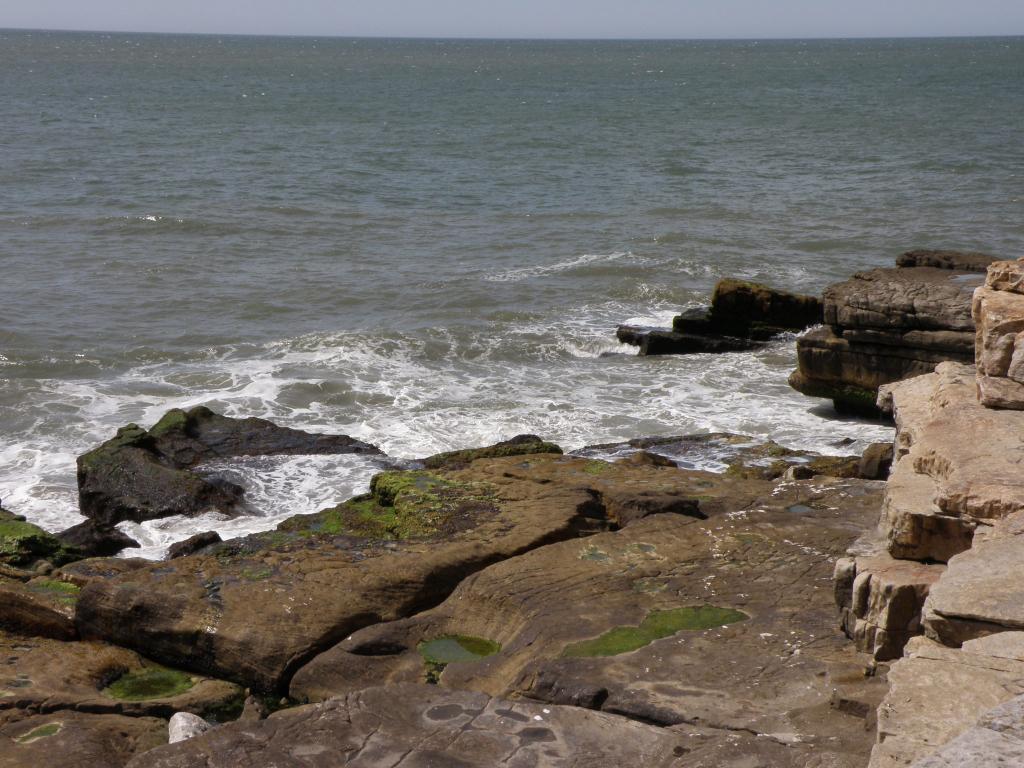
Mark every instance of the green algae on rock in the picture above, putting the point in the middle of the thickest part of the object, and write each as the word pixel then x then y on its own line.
pixel 655 626
pixel 22 544
pixel 64 591
pixel 150 683
pixel 521 445
pixel 400 506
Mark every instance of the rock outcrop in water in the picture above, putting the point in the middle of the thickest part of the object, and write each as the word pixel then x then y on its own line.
pixel 742 315
pixel 885 325
pixel 146 474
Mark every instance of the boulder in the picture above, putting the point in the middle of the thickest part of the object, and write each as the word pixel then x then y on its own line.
pixel 193 544
pixel 936 693
pixel 520 445
pixel 143 475
pixel 886 325
pixel 90 539
pixel 725 623
pixel 184 725
pixel 78 740
pixel 52 676
pixel 424 726
pixel 741 316
pixel 876 461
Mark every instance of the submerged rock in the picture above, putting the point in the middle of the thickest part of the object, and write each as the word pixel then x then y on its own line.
pixel 143 475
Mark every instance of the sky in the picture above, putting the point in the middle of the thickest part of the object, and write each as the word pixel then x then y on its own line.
pixel 529 18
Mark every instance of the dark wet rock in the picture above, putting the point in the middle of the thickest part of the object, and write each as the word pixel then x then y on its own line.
pixel 143 475
pixel 520 445
pixel 642 622
pixel 78 740
pixel 425 726
pixel 91 540
pixel 43 675
pixel 193 544
pixel 660 341
pixel 741 316
pixel 885 325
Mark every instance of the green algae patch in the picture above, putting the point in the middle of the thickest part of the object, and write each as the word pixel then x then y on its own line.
pixel 449 649
pixel 42 732
pixel 63 591
pixel 455 459
pixel 595 467
pixel 591 552
pixel 175 420
pixel 149 683
pixel 655 626
pixel 400 506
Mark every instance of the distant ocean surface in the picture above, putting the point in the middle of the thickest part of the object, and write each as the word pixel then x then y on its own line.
pixel 428 244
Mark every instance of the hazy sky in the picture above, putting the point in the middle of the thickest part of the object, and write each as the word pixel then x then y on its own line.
pixel 529 18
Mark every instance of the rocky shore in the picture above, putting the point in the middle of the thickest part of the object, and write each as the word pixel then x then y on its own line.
pixel 515 605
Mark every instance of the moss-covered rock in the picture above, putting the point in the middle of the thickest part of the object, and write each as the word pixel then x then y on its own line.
pixel 521 445
pixel 22 544
pixel 401 506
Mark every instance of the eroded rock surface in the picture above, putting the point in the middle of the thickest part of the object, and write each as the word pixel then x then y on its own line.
pixel 420 725
pixel 723 625
pixel 78 740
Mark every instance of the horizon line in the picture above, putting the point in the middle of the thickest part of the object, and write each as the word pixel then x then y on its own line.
pixel 485 38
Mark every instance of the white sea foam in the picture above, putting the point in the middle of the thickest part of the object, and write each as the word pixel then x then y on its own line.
pixel 514 275
pixel 413 396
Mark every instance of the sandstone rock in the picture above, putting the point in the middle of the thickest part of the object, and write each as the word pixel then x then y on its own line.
pixel 193 544
pixel 254 609
pixel 556 610
pixel 142 475
pixel 889 324
pixel 40 606
pixel 78 740
pixel 958 467
pixel 937 693
pixel 43 676
pixel 1006 276
pixel 999 315
pixel 880 601
pixel 876 461
pixel 997 740
pixel 184 725
pixel 426 725
pixel 82 572
pixel 981 592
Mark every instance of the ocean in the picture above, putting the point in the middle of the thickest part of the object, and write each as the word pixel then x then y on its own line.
pixel 427 244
